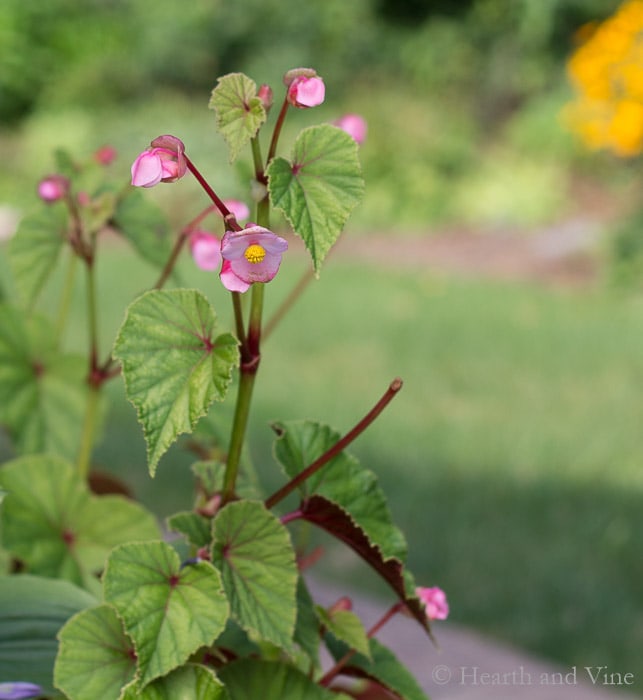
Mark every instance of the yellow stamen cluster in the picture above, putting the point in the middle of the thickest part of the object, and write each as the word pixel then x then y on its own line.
pixel 255 253
pixel 607 71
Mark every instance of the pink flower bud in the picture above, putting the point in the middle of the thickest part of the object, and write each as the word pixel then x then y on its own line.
pixel 434 601
pixel 306 92
pixel 163 162
pixel 343 603
pixel 354 126
pixel 53 188
pixel 206 250
pixel 105 155
pixel 265 95
pixel 253 255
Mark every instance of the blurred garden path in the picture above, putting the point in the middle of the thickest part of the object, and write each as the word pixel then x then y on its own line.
pixel 470 666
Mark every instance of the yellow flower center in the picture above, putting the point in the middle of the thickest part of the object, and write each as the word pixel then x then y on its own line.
pixel 255 253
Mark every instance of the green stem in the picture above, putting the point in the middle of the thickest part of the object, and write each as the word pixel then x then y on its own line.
pixel 83 462
pixel 66 297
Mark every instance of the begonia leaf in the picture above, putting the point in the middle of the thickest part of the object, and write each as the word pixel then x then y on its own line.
pixel 35 248
pixel 253 551
pixel 174 366
pixel 144 225
pixel 250 679
pixel 52 522
pixel 43 393
pixel 319 187
pixel 168 611
pixel 196 528
pixel 96 658
pixel 32 611
pixel 189 682
pixel 345 499
pixel 307 627
pixel 383 667
pixel 346 626
pixel 240 113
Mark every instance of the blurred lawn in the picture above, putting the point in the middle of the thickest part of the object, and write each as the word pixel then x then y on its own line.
pixel 512 456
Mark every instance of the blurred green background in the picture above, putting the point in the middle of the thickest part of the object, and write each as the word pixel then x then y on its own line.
pixel 513 454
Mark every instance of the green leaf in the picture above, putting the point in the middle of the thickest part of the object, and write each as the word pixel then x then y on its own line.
pixel 307 627
pixel 168 611
pixel 96 658
pixel 250 679
pixel 32 611
pixel 190 682
pixel 253 551
pixel 347 627
pixel 343 481
pixel 145 226
pixel 173 365
pixel 319 187
pixel 240 113
pixel 346 500
pixel 384 668
pixel 196 528
pixel 54 524
pixel 42 392
pixel 34 250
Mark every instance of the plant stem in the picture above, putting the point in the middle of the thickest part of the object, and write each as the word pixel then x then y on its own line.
pixel 277 131
pixel 228 216
pixel 83 460
pixel 65 299
pixel 341 444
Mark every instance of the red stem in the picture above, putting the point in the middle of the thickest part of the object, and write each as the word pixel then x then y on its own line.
pixel 227 215
pixel 341 444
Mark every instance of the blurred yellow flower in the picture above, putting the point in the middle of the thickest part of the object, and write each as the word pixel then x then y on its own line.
pixel 607 72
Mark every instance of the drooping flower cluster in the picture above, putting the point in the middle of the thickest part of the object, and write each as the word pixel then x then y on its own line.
pixel 607 72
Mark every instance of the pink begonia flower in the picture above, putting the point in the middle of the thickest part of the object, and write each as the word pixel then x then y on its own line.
pixel 163 162
pixel 354 126
pixel 434 601
pixel 53 188
pixel 105 155
pixel 206 250
pixel 306 92
pixel 238 208
pixel 253 254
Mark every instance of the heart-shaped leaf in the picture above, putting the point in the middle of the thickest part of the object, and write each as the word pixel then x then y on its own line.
pixel 383 667
pixel 250 679
pixel 254 553
pixel 58 528
pixel 34 250
pixel 174 366
pixel 168 611
pixel 32 611
pixel 42 392
pixel 319 187
pixel 96 658
pixel 144 225
pixel 240 113
pixel 189 682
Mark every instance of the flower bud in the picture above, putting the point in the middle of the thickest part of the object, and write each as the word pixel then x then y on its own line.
pixel 53 188
pixel 304 92
pixel 266 96
pixel 105 155
pixel 163 162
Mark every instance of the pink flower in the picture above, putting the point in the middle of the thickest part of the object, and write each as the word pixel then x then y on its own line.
pixel 238 208
pixel 105 155
pixel 163 162
pixel 53 188
pixel 353 125
pixel 230 281
pixel 253 255
pixel 305 88
pixel 434 601
pixel 206 250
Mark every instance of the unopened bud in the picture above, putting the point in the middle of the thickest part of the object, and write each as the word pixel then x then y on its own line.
pixel 53 188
